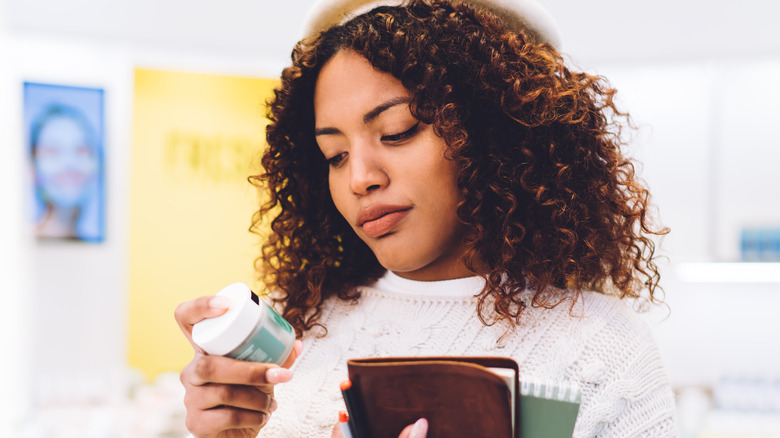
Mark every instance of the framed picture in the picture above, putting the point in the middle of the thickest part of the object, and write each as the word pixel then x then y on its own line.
pixel 65 144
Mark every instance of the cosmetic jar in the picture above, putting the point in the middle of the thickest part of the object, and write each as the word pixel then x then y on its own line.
pixel 249 330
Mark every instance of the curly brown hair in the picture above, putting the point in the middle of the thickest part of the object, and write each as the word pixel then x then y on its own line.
pixel 550 202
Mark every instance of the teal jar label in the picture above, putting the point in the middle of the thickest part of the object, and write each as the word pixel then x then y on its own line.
pixel 270 342
pixel 262 347
pixel 279 320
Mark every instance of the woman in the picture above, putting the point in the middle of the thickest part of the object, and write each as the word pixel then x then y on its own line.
pixel 442 185
pixel 65 156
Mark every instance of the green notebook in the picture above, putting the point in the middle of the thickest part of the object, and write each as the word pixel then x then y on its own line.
pixel 548 410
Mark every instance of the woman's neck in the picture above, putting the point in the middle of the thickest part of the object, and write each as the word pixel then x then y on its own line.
pixel 59 222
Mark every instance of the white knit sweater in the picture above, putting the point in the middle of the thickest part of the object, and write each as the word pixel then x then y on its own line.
pixel 605 349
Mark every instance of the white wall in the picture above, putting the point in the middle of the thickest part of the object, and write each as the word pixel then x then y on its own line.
pixel 77 290
pixel 707 145
pixel 672 107
pixel 595 31
pixel 228 28
pixel 666 31
pixel 717 330
pixel 748 176
pixel 14 262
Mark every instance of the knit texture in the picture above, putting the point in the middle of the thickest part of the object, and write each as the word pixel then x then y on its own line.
pixel 599 344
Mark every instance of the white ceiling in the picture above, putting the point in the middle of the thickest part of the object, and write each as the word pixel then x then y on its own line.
pixel 595 31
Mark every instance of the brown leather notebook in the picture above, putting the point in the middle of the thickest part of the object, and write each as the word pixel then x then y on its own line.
pixel 459 396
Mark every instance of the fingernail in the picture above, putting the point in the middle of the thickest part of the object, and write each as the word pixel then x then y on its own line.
pixel 274 405
pixel 278 375
pixel 219 303
pixel 420 429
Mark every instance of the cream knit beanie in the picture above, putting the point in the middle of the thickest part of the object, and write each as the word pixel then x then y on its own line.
pixel 527 15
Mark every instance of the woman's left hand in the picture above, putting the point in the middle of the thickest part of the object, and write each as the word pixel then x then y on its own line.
pixel 417 430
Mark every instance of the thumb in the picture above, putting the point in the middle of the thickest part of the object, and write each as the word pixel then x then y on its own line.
pixel 336 433
pixel 189 313
pixel 417 430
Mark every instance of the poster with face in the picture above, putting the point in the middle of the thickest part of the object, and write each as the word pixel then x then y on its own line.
pixel 64 136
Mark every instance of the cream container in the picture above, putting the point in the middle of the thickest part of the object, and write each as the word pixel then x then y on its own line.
pixel 249 330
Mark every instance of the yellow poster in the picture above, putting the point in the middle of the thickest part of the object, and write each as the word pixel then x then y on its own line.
pixel 196 138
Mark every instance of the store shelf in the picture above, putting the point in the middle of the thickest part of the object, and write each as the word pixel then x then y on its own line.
pixel 728 272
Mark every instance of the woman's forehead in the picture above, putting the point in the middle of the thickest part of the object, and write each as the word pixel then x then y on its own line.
pixel 349 83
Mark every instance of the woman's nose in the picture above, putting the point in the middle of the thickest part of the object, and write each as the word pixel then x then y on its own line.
pixel 367 173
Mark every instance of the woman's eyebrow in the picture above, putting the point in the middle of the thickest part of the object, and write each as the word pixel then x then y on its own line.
pixel 325 131
pixel 369 116
pixel 374 113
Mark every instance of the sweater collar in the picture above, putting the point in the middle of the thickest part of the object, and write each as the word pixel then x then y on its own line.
pixel 458 287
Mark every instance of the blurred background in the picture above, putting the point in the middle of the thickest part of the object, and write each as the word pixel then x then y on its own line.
pixel 89 344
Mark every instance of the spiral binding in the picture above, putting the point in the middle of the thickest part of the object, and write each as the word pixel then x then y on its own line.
pixel 568 392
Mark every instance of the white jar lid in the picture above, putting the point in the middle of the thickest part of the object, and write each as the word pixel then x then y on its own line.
pixel 221 335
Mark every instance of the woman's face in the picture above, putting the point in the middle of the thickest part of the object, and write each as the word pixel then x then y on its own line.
pixel 65 162
pixel 388 173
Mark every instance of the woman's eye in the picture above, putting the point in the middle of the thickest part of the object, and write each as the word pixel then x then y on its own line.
pixel 402 136
pixel 336 159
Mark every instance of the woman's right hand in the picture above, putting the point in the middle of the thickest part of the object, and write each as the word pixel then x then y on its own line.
pixel 225 397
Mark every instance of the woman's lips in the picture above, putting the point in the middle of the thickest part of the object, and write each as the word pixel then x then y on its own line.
pixel 69 179
pixel 383 222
